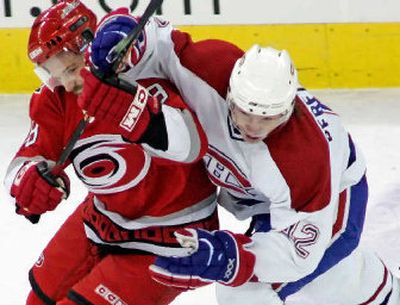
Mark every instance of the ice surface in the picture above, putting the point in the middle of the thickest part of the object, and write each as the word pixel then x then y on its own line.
pixel 371 115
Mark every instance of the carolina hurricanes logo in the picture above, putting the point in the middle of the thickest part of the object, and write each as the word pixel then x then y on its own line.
pixel 107 164
pixel 224 172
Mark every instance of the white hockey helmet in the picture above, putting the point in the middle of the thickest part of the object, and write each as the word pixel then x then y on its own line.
pixel 263 82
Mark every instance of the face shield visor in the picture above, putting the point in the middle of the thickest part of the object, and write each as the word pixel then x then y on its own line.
pixel 46 78
pixel 60 69
pixel 278 111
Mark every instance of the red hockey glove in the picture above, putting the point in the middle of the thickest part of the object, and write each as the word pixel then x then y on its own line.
pixel 36 190
pixel 214 256
pixel 131 114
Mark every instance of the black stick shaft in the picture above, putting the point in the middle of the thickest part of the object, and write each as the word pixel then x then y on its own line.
pixel 122 47
pixel 120 51
pixel 72 141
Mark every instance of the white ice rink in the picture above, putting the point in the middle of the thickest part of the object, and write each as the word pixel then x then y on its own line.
pixel 372 116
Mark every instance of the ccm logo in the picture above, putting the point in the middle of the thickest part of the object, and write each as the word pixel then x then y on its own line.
pixel 135 109
pixel 108 295
pixel 40 260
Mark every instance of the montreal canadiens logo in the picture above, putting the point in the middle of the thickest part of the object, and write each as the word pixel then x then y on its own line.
pixel 105 163
pixel 224 172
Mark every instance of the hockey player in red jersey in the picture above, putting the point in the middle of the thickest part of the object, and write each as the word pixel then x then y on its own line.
pixel 281 158
pixel 138 192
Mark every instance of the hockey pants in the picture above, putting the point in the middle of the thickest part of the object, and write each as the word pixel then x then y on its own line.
pixel 72 271
pixel 359 279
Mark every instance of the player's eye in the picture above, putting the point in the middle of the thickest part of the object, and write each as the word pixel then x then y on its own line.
pixel 268 119
pixel 71 70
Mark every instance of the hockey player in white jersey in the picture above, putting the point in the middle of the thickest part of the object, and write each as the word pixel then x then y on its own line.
pixel 281 158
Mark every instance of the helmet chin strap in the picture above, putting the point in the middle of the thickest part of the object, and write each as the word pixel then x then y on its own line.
pixel 230 110
pixel 231 119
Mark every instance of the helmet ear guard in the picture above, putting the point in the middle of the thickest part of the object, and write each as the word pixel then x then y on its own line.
pixel 264 82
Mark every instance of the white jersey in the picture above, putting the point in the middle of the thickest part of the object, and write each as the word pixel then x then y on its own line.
pixel 304 186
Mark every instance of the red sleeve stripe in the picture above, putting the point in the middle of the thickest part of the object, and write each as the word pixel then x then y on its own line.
pixel 379 290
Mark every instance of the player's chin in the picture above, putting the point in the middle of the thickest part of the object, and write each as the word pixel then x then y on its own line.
pixel 77 90
pixel 252 139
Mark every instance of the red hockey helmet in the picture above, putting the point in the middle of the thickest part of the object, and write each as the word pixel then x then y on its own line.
pixel 67 25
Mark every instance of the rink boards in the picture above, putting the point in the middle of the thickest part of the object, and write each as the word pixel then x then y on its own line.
pixel 339 55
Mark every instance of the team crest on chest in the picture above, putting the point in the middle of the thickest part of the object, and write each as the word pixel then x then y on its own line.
pixel 224 172
pixel 104 163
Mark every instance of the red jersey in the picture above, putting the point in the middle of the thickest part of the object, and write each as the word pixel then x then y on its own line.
pixel 133 188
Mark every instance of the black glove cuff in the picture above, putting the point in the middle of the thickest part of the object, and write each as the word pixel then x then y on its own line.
pixel 33 218
pixel 156 133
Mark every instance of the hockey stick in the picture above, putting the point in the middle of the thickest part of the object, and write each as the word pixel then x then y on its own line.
pixel 120 51
pixel 122 47
pixel 117 55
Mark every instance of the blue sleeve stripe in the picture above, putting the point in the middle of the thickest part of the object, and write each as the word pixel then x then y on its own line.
pixel 352 157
